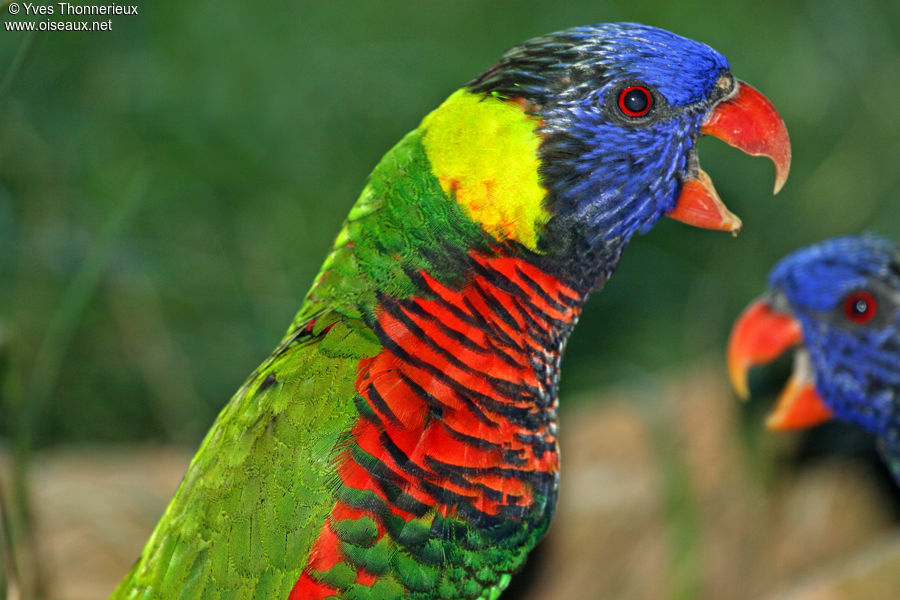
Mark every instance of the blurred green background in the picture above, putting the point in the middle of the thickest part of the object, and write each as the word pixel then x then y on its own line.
pixel 169 189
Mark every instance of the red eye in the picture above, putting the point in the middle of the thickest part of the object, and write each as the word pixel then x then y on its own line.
pixel 635 101
pixel 860 306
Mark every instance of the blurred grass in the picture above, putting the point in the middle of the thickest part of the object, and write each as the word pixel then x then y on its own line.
pixel 259 126
pixel 261 144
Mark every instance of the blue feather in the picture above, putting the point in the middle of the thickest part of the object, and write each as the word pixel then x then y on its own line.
pixel 607 177
pixel 856 365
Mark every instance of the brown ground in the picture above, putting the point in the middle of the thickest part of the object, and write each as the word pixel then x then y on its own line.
pixel 658 501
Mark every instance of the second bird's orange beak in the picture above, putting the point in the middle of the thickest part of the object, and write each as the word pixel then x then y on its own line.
pixel 760 335
pixel 749 122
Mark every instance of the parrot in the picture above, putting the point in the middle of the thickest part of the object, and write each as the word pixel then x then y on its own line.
pixel 836 304
pixel 401 440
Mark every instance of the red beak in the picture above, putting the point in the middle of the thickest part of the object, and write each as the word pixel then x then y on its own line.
pixel 760 335
pixel 749 122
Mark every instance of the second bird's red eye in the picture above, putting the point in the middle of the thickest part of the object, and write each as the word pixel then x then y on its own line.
pixel 860 306
pixel 635 101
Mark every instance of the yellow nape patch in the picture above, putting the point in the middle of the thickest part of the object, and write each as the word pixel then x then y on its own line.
pixel 484 152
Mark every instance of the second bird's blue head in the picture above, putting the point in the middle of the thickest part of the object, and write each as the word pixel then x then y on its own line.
pixel 838 303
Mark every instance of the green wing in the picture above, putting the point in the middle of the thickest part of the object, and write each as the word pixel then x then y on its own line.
pixel 261 486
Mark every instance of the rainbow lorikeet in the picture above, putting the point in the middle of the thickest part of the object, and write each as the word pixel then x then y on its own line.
pixel 837 302
pixel 400 442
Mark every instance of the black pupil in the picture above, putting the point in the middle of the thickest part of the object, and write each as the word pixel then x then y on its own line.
pixel 860 307
pixel 636 101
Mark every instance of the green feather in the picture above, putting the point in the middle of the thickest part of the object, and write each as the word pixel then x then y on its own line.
pixel 263 482
pixel 259 489
pixel 400 219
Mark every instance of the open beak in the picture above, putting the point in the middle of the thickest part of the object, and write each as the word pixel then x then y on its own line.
pixel 749 122
pixel 760 335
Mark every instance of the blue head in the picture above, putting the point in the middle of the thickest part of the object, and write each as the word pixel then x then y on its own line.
pixel 845 294
pixel 622 106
